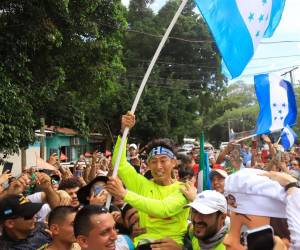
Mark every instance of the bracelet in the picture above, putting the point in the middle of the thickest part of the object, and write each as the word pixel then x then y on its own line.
pixel 292 184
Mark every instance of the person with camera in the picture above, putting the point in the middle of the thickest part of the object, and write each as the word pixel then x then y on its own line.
pixel 252 200
pixel 159 202
pixel 292 189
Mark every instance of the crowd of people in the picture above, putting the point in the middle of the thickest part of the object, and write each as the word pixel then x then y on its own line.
pixel 252 203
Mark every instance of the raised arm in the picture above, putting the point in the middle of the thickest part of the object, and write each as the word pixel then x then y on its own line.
pixel 126 172
pixel 170 206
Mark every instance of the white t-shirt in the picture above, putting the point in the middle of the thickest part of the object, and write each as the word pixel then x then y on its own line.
pixel 45 209
pixel 293 217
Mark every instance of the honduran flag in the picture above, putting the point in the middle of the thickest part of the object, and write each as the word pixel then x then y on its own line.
pixel 238 26
pixel 288 137
pixel 277 102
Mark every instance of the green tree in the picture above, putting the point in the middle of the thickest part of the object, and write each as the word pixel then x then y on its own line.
pixel 15 117
pixel 63 57
pixel 186 78
pixel 236 108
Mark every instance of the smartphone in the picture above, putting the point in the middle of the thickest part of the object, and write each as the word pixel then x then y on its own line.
pixel 97 189
pixel 260 238
pixel 144 244
pixel 78 173
pixel 235 153
pixel 7 167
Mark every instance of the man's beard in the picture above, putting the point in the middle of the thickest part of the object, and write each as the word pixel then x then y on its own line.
pixel 209 231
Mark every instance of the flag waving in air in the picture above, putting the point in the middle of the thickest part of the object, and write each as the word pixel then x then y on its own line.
pixel 238 26
pixel 288 137
pixel 277 103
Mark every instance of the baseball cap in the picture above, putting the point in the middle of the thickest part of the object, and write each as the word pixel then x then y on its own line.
pixel 209 202
pixel 250 193
pixel 217 171
pixel 17 206
pixel 133 146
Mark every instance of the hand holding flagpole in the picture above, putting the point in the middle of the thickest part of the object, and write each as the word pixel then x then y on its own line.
pixel 142 86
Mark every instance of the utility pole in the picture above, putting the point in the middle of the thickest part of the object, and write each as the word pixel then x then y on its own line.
pixel 42 139
pixel 290 72
pixel 23 158
pixel 228 123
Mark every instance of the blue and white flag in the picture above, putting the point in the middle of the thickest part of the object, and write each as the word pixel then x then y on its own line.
pixel 288 137
pixel 238 26
pixel 277 102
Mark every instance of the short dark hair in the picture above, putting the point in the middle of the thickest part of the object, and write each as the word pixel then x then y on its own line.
pixel 187 159
pixel 184 172
pixel 59 213
pixel 164 142
pixel 82 222
pixel 297 159
pixel 72 182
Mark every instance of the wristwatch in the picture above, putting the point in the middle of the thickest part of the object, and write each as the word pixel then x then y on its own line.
pixel 292 184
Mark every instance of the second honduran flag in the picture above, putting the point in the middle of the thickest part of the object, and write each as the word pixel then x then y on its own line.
pixel 277 103
pixel 288 137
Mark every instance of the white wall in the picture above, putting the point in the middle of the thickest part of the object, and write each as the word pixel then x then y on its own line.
pixel 16 159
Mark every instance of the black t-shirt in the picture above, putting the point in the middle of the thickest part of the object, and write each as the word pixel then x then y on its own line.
pixel 36 240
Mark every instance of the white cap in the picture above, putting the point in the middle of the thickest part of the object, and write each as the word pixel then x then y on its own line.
pixel 133 146
pixel 217 171
pixel 209 202
pixel 247 192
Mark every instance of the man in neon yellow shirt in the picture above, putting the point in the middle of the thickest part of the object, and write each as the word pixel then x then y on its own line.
pixel 159 202
pixel 208 219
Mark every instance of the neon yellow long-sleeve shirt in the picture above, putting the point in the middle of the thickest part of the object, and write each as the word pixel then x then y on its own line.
pixel 161 208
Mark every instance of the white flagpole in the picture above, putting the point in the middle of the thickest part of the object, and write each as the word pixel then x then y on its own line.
pixel 249 136
pixel 142 86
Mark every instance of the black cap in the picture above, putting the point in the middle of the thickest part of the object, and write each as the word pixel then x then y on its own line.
pixel 16 206
pixel 84 192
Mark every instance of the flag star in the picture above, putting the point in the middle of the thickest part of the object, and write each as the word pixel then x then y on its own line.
pixel 283 105
pixel 275 118
pixel 264 2
pixel 251 16
pixel 261 18
pixel 257 34
pixel 274 104
pixel 281 118
pixel 279 111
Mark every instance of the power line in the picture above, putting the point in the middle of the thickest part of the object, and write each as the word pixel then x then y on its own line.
pixel 274 57
pixel 269 71
pixel 202 41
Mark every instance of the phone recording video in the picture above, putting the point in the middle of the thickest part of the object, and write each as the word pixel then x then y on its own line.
pixel 7 167
pixel 97 189
pixel 145 244
pixel 261 238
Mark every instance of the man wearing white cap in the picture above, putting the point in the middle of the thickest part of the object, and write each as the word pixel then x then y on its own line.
pixel 252 199
pixel 208 219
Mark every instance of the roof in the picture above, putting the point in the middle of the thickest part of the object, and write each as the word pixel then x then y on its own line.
pixel 66 131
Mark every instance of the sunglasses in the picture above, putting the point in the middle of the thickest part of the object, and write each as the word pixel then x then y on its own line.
pixel 30 217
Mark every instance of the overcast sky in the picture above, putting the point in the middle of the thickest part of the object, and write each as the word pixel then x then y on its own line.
pixel 288 29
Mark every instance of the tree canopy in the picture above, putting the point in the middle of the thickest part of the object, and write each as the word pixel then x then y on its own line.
pixel 79 64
